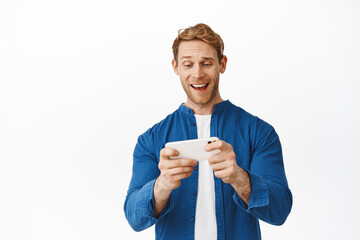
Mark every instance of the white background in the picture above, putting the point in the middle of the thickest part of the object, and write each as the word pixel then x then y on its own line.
pixel 80 80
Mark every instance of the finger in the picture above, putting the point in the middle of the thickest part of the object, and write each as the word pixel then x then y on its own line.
pixel 176 163
pixel 221 173
pixel 219 166
pixel 180 176
pixel 168 152
pixel 175 177
pixel 219 144
pixel 217 158
pixel 180 170
pixel 223 156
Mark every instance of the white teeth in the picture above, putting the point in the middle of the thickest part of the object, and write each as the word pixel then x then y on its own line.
pixel 197 86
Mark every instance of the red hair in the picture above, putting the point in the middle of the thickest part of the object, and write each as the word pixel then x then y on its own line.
pixel 199 32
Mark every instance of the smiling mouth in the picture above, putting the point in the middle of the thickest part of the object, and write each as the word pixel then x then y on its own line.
pixel 199 86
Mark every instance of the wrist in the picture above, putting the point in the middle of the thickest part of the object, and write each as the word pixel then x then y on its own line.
pixel 161 196
pixel 242 185
pixel 161 192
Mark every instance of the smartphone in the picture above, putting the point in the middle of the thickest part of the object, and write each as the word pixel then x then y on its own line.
pixel 193 149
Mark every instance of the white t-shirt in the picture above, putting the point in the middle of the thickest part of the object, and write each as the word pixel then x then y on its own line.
pixel 205 218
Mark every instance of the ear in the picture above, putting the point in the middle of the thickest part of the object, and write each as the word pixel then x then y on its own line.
pixel 175 66
pixel 223 64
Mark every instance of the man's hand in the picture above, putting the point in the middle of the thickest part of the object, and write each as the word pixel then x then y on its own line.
pixel 172 172
pixel 225 167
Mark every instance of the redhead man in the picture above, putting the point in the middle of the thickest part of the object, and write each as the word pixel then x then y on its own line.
pixel 224 197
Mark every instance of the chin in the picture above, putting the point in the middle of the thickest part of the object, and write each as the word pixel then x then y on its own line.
pixel 201 101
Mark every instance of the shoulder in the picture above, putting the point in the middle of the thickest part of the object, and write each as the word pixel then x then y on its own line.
pixel 160 128
pixel 257 127
pixel 248 118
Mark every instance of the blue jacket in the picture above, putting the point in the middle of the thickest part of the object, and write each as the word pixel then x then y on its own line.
pixel 258 151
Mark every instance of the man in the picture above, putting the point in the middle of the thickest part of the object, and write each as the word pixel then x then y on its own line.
pixel 221 198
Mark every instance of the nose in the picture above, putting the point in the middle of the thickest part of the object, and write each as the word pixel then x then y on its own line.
pixel 198 72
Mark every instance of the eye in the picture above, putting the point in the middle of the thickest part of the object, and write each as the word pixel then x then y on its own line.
pixel 207 64
pixel 187 64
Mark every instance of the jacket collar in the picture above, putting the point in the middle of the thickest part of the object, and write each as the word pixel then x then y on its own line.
pixel 217 108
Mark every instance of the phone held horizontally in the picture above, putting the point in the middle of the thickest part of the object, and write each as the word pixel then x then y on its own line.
pixel 193 149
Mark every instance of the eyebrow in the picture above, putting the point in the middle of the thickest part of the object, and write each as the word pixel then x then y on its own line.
pixel 203 58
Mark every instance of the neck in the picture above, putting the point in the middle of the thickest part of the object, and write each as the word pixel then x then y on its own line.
pixel 203 109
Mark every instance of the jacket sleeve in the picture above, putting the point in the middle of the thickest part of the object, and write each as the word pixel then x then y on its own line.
pixel 139 202
pixel 270 197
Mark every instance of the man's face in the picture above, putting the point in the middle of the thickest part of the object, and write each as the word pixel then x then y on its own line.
pixel 198 68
